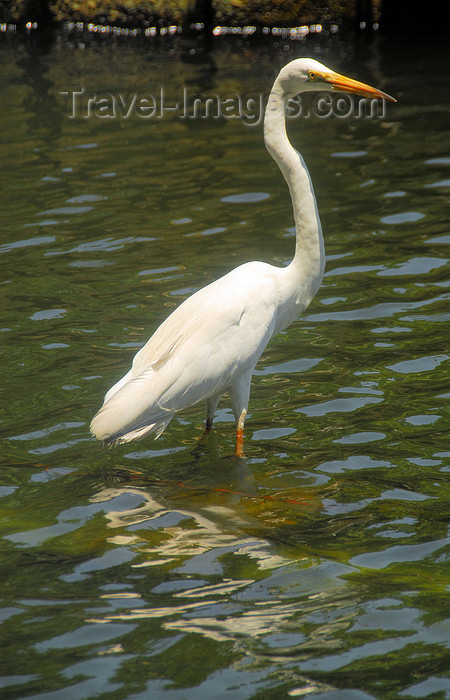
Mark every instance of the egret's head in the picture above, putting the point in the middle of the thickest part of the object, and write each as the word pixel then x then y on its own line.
pixel 306 75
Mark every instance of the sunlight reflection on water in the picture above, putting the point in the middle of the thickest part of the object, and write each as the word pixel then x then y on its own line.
pixel 317 565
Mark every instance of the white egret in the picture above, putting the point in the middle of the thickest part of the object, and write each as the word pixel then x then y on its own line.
pixel 211 343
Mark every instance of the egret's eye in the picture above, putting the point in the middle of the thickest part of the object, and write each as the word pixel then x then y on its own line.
pixel 312 75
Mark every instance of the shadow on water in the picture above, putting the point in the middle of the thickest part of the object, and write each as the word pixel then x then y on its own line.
pixel 225 486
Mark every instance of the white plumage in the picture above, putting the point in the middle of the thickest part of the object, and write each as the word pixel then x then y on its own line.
pixel 211 343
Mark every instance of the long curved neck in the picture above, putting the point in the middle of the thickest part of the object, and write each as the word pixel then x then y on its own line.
pixel 309 249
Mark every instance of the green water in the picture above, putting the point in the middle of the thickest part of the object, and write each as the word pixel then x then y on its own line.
pixel 318 565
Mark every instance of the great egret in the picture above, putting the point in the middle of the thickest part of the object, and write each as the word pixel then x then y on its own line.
pixel 211 343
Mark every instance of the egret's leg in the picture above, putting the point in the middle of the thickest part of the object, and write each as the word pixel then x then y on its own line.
pixel 211 405
pixel 240 394
pixel 240 434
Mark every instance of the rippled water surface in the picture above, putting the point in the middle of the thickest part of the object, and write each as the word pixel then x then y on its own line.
pixel 316 566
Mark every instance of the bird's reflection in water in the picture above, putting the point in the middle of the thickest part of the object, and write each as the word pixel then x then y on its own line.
pixel 209 502
pixel 205 560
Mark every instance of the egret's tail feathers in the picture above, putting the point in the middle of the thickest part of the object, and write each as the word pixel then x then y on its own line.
pixel 129 413
pixel 136 434
pixel 129 432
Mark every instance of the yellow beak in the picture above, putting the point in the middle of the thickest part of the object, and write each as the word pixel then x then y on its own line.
pixel 343 84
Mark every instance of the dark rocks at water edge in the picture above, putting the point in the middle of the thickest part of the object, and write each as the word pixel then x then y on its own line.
pixel 166 12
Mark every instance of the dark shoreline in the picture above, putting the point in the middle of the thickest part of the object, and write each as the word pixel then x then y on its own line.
pixel 189 14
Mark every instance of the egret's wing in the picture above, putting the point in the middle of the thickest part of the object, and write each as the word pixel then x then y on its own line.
pixel 214 336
